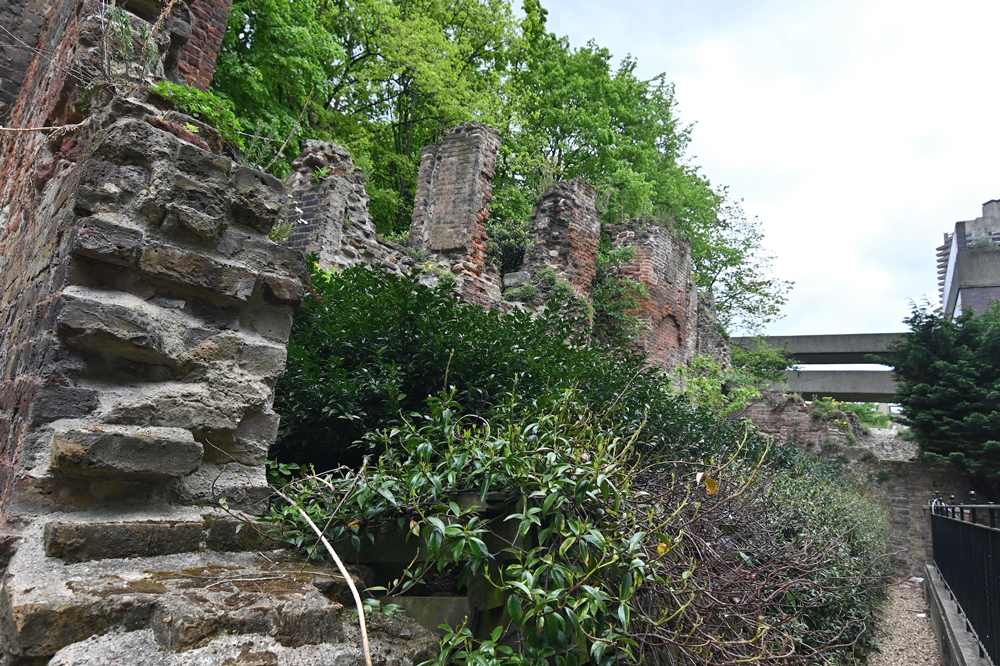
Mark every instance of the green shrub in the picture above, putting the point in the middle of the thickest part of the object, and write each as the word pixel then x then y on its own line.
pixel 761 361
pixel 749 558
pixel 638 504
pixel 206 106
pixel 372 347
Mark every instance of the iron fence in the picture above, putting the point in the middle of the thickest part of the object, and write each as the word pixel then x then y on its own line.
pixel 967 553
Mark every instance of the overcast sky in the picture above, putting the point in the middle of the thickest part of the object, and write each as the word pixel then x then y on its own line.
pixel 856 131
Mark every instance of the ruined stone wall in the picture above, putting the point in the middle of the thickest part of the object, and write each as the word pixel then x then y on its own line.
pixel 670 314
pixel 143 312
pixel 21 24
pixel 892 464
pixel 329 209
pixel 788 419
pixel 712 341
pixel 908 486
pixel 451 208
pixel 566 235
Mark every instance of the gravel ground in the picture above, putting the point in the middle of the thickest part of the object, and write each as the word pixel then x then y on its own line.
pixel 906 636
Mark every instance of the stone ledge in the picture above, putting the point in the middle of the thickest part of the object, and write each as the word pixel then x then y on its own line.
pixel 957 646
pixel 183 602
pixel 125 451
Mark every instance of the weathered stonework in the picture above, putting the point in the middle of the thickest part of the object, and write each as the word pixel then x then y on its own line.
pixel 144 316
pixel 143 339
pixel 24 19
pixel 329 207
pixel 451 208
pixel 143 312
pixel 208 608
pixel 566 235
pixel 670 314
pixel 898 475
pixel 906 487
pixel 787 418
pixel 712 341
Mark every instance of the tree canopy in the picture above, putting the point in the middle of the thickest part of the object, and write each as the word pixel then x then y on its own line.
pixel 948 383
pixel 388 77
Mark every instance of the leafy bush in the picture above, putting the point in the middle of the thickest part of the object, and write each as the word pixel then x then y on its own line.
pixel 205 105
pixel 644 517
pixel 620 555
pixel 373 346
pixel 758 360
pixel 867 412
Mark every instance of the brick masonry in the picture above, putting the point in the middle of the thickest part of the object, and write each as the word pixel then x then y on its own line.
pixel 670 314
pixel 787 418
pixel 907 487
pixel 196 61
pixel 329 208
pixel 978 298
pixel 451 208
pixel 712 341
pixel 566 235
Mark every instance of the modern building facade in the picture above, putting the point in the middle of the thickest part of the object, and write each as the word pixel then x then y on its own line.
pixel 969 263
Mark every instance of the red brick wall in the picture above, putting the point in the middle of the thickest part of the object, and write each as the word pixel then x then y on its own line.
pixel 136 285
pixel 452 206
pixel 566 235
pixel 786 417
pixel 30 233
pixel 670 314
pixel 208 25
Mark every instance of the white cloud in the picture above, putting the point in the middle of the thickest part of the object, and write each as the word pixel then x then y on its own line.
pixel 857 132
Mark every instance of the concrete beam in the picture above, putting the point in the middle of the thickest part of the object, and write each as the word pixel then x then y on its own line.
pixel 846 385
pixel 847 348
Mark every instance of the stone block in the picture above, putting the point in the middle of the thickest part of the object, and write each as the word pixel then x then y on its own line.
pixel 229 534
pixel 125 451
pixel 258 198
pixel 106 241
pixel 85 321
pixel 132 141
pixel 197 270
pixel 282 291
pixel 84 542
pixel 62 402
pixel 206 132
pixel 518 279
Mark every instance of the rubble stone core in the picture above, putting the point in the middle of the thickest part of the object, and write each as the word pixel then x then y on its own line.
pixel 144 316
pixel 566 235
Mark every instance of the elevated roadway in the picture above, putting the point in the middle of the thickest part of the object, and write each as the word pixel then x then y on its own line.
pixel 847 385
pixel 824 349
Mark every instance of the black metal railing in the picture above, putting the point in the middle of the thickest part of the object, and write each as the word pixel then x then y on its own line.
pixel 967 553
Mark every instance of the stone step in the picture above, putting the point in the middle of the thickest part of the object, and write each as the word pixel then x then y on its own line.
pixel 184 602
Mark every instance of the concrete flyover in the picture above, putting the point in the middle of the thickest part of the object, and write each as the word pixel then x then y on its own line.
pixel 845 348
pixel 847 385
